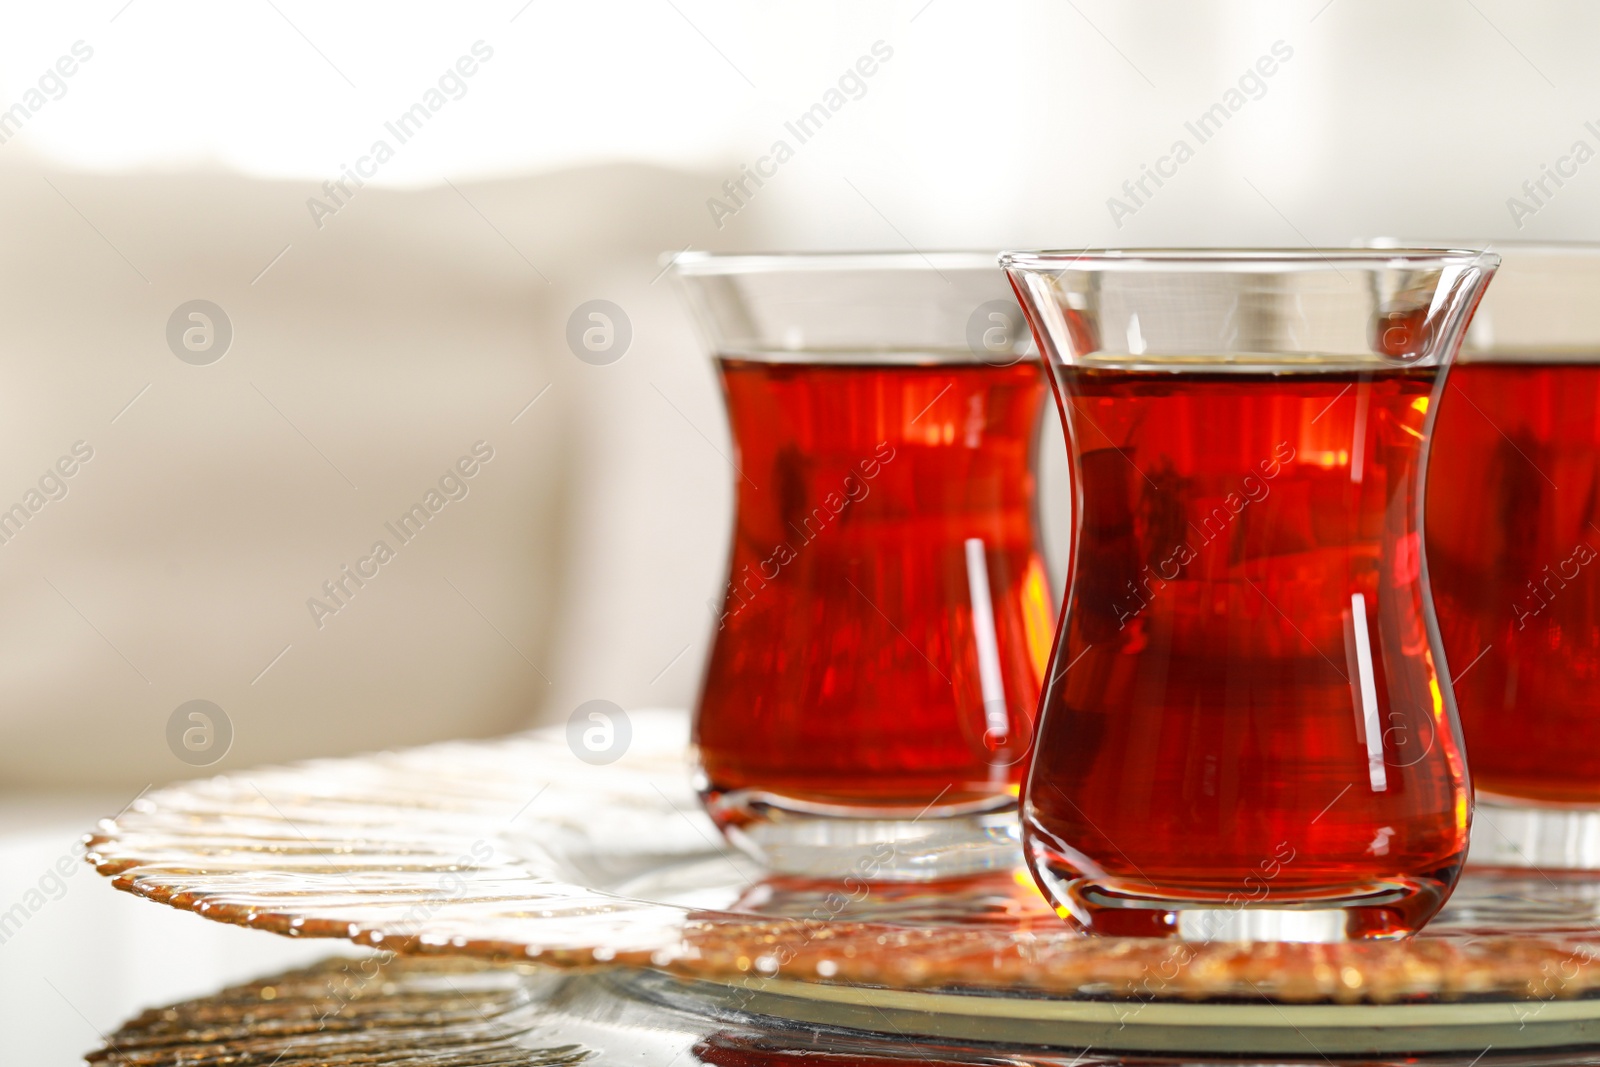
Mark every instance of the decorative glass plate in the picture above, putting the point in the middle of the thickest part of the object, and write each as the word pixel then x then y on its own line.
pixel 516 850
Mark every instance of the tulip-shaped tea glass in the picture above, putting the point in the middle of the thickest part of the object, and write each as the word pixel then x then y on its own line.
pixel 867 706
pixel 1514 554
pixel 1247 729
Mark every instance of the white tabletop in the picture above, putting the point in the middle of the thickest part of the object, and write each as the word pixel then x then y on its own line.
pixel 79 957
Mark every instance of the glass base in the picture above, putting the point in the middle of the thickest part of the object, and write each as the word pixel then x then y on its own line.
pixel 1389 909
pixel 1508 832
pixel 835 841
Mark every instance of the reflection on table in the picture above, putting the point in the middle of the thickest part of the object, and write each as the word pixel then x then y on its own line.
pixel 444 1012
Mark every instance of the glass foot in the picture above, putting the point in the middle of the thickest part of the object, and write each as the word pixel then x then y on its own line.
pixel 1507 832
pixel 1390 909
pixel 878 844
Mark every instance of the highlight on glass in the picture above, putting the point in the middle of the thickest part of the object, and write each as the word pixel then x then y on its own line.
pixel 1248 730
pixel 1513 540
pixel 868 703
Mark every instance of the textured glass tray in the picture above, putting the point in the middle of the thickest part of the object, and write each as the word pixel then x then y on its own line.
pixel 516 850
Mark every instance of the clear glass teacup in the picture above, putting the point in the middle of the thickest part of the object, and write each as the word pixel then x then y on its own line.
pixel 1513 538
pixel 1247 729
pixel 868 702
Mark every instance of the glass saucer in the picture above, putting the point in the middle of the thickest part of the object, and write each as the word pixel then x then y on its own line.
pixel 517 850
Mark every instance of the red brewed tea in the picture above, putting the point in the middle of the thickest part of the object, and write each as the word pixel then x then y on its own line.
pixel 1513 511
pixel 887 622
pixel 1245 710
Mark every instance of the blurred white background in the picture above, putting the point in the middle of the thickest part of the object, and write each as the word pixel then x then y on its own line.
pixel 378 335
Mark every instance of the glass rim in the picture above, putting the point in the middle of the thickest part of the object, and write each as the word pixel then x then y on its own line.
pixel 1490 245
pixel 1263 260
pixel 702 264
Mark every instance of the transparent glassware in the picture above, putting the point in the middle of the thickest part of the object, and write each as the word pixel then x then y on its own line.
pixel 1247 729
pixel 868 702
pixel 1513 538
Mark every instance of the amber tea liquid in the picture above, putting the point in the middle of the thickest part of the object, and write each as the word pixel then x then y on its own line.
pixel 880 644
pixel 1244 710
pixel 1513 511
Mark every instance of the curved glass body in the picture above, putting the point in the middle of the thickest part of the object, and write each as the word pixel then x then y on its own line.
pixel 1247 729
pixel 880 642
pixel 1514 530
